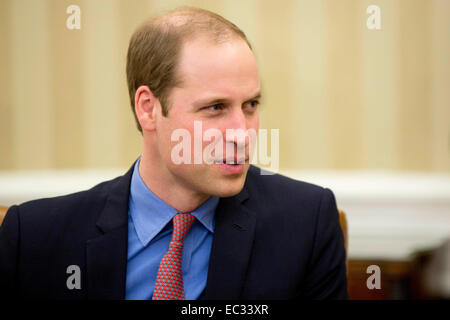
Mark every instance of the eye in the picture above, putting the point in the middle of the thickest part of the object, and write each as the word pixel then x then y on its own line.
pixel 253 104
pixel 215 107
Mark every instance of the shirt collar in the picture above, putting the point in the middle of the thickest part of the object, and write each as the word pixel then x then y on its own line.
pixel 150 214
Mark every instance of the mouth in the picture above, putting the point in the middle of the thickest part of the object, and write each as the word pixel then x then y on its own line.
pixel 232 162
pixel 231 166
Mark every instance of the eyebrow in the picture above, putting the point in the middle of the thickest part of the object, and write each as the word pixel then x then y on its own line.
pixel 212 101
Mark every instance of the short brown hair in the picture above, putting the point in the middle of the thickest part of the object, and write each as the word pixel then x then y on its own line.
pixel 154 49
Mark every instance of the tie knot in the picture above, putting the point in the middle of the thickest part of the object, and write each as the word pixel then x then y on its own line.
pixel 182 222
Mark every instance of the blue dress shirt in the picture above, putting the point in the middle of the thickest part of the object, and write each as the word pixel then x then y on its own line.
pixel 149 234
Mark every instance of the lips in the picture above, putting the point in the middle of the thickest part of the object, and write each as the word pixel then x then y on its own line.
pixel 232 161
pixel 230 169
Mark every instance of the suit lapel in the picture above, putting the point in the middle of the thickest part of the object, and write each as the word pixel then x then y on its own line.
pixel 231 249
pixel 106 255
pixel 106 265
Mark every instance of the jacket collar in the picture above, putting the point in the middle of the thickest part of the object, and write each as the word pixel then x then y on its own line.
pixel 231 248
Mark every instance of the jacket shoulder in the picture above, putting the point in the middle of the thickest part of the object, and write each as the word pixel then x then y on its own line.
pixel 282 200
pixel 277 186
pixel 48 212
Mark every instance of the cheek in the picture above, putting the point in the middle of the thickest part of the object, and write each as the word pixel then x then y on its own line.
pixel 183 137
pixel 255 121
pixel 164 141
pixel 169 126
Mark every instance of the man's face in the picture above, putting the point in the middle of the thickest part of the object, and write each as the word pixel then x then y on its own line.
pixel 220 87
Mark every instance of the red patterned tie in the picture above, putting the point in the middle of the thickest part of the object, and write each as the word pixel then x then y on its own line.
pixel 169 282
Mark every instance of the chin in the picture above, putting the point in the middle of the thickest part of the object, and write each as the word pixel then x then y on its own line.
pixel 229 189
pixel 227 193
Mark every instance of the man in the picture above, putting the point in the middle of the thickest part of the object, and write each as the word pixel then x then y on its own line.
pixel 214 229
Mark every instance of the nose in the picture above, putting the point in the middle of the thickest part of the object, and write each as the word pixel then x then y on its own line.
pixel 236 135
pixel 237 123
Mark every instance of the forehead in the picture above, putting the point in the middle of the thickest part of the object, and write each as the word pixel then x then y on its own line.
pixel 227 67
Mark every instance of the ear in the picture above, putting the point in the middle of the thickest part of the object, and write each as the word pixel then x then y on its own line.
pixel 145 106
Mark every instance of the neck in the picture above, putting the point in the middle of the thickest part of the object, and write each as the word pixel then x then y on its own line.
pixel 161 182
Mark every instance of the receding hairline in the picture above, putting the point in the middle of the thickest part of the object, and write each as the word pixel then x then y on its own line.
pixel 191 22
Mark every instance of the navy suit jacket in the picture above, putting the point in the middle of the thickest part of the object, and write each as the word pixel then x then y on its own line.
pixel 277 239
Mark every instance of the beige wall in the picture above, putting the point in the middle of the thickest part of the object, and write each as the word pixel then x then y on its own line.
pixel 343 96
